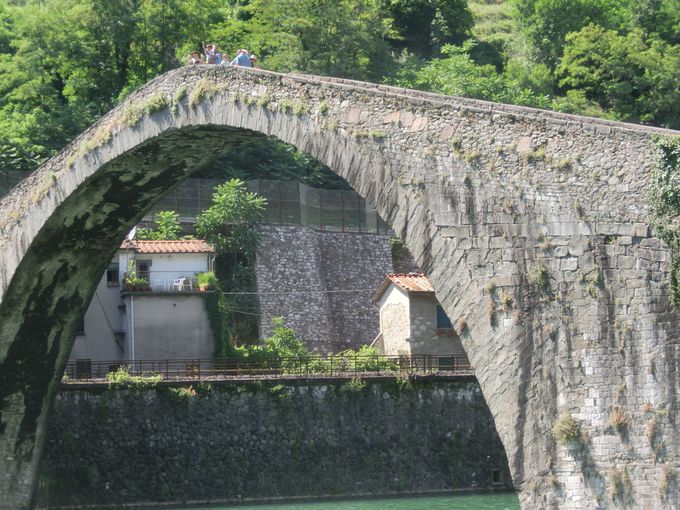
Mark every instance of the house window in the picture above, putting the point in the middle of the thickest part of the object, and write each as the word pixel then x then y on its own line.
pixel 143 269
pixel 443 322
pixel 112 275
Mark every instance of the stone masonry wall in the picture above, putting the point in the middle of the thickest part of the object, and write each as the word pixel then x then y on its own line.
pixel 235 442
pixel 533 227
pixel 301 273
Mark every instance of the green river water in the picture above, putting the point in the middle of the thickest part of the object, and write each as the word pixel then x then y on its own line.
pixel 502 501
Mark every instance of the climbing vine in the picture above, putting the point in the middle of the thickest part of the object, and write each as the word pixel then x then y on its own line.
pixel 215 307
pixel 665 199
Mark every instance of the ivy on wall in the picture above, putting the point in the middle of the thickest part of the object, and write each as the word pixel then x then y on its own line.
pixel 215 307
pixel 665 199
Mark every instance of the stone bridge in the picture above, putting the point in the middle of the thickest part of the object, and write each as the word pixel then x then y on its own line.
pixel 533 227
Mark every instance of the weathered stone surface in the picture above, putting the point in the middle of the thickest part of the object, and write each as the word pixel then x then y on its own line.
pixel 269 441
pixel 522 182
pixel 322 283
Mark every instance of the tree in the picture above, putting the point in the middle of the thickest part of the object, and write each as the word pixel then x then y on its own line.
pixel 659 18
pixel 425 26
pixel 167 227
pixel 458 75
pixel 546 23
pixel 625 75
pixel 342 38
pixel 228 224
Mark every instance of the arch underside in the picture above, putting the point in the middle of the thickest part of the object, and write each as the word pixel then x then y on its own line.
pixel 555 316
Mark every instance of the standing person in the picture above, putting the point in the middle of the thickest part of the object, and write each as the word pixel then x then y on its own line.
pixel 218 55
pixel 195 58
pixel 253 61
pixel 209 52
pixel 242 59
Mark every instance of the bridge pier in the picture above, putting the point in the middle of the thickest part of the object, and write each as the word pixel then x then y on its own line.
pixel 532 226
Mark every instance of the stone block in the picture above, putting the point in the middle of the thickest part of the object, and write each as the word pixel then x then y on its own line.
pixel 391 118
pixel 419 124
pixel 353 116
pixel 406 119
pixel 570 264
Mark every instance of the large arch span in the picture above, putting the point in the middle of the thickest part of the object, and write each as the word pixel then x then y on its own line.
pixel 533 227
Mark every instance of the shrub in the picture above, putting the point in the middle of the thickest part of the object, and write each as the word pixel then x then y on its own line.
pixel 156 103
pixel 650 430
pixel 365 359
pixel 353 386
pixel 539 276
pixel 204 89
pixel 184 392
pixel 668 477
pixel 122 378
pixel 617 419
pixel 566 429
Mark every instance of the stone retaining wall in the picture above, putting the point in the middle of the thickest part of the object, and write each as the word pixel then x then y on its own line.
pixel 263 441
pixel 303 275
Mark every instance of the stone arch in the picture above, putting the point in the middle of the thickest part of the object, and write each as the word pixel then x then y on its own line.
pixel 501 206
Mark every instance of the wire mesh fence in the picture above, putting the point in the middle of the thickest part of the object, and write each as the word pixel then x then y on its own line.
pixel 288 203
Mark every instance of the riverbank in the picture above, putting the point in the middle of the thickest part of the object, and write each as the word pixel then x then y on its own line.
pixel 462 498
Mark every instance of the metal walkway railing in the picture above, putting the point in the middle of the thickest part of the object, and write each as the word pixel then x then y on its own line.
pixel 337 365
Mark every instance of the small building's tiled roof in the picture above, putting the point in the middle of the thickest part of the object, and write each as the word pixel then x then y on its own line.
pixel 178 246
pixel 412 283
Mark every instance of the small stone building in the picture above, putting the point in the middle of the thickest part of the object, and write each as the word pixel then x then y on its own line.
pixel 411 320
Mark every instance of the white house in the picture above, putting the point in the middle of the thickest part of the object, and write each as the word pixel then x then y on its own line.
pixel 158 314
pixel 411 320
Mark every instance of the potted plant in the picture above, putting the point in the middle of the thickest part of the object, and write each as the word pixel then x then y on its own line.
pixel 133 283
pixel 204 280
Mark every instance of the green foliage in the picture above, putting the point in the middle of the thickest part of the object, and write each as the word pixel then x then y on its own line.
pixel 122 379
pixel 633 78
pixel 269 158
pixel 669 477
pixel 354 386
pixel 133 283
pixel 205 278
pixel 204 89
pixel 400 253
pixel 63 63
pixel 282 349
pixel 566 429
pixel 458 74
pixel 166 227
pixel 665 199
pixel 333 37
pixel 539 276
pixel 365 359
pixel 546 23
pixel 217 310
pixel 228 224
pixel 424 25
pixel 183 393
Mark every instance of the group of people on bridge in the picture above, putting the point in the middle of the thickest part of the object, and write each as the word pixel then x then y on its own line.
pixel 212 55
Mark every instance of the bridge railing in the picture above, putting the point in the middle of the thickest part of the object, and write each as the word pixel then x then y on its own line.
pixel 305 366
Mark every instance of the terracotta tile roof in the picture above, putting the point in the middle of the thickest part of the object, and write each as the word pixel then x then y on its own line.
pixel 412 283
pixel 178 246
